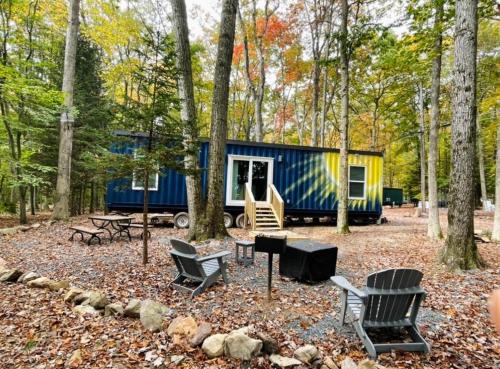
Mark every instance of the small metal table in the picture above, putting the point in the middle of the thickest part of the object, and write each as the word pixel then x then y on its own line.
pixel 246 258
pixel 119 224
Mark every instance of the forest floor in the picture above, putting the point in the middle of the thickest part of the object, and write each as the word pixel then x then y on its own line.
pixel 38 330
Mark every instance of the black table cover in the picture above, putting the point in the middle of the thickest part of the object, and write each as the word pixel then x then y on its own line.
pixel 308 261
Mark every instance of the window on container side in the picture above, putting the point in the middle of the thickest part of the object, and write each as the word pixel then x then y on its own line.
pixel 357 182
pixel 138 178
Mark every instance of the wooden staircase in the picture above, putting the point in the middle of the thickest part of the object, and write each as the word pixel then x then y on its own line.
pixel 263 215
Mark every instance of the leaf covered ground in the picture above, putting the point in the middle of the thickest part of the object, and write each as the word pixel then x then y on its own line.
pixel 38 330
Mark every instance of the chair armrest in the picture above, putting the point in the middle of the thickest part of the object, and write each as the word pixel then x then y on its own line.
pixel 345 285
pixel 214 256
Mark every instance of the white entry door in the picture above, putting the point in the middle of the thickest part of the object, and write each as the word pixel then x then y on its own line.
pixel 258 171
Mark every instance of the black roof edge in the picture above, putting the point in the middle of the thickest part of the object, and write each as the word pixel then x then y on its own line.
pixel 265 144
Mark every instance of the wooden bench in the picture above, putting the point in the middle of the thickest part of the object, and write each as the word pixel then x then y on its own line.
pixel 137 226
pixel 82 230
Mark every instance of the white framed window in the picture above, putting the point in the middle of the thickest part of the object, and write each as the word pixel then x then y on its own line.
pixel 138 180
pixel 357 182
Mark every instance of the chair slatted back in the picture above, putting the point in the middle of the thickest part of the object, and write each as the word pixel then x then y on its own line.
pixel 186 259
pixel 385 302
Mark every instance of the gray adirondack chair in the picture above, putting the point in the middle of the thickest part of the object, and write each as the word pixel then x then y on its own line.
pixel 391 299
pixel 190 265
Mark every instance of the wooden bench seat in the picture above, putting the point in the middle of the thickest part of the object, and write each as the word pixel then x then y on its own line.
pixel 82 230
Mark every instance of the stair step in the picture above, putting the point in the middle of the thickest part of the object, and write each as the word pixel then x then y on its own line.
pixel 267 228
pixel 266 222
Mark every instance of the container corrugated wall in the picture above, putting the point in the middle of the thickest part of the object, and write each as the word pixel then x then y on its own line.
pixel 306 179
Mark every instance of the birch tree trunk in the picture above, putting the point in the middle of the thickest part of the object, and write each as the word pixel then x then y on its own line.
pixel 343 189
pixel 433 225
pixel 495 235
pixel 315 103
pixel 480 158
pixel 61 206
pixel 422 145
pixel 188 116
pixel 460 250
pixel 214 216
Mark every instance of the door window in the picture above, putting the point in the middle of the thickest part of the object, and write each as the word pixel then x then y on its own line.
pixel 247 169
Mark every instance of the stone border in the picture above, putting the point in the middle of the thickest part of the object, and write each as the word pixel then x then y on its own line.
pixel 243 343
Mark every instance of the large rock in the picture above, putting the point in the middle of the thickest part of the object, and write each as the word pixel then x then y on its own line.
pixel 269 344
pixel 113 309
pixel 213 346
pixel 203 331
pixel 98 299
pixel 44 282
pixel 284 362
pixel 72 294
pixel 306 353
pixel 58 285
pixel 182 326
pixel 348 363
pixel 85 310
pixel 11 275
pixel 330 364
pixel 367 364
pixel 239 346
pixel 133 308
pixel 29 276
pixel 151 315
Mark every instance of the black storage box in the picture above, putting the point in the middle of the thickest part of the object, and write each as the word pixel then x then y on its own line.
pixel 272 245
pixel 308 261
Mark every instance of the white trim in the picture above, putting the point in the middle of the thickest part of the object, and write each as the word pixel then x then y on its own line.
pixel 356 181
pixel 141 188
pixel 250 159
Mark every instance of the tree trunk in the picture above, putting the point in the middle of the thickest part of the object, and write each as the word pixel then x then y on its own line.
pixel 343 189
pixel 495 235
pixel 460 250
pixel 480 157
pixel 214 216
pixel 145 211
pixel 315 103
pixel 188 116
pixel 433 225
pixel 61 206
pixel 92 204
pixel 421 137
pixel 32 200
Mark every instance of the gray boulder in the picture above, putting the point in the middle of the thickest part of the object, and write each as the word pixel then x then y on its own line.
pixel 213 346
pixel 96 299
pixel 72 294
pixel 113 309
pixel 348 363
pixel 29 276
pixel 284 362
pixel 238 345
pixel 306 353
pixel 11 275
pixel 85 310
pixel 133 308
pixel 151 315
pixel 203 331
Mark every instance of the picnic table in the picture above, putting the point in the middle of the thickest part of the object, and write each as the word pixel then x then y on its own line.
pixel 113 224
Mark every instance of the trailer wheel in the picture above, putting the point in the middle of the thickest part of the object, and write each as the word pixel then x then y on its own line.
pixel 228 220
pixel 181 220
pixel 240 221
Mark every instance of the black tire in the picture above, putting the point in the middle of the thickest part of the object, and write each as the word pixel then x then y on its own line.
pixel 240 221
pixel 228 220
pixel 181 220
